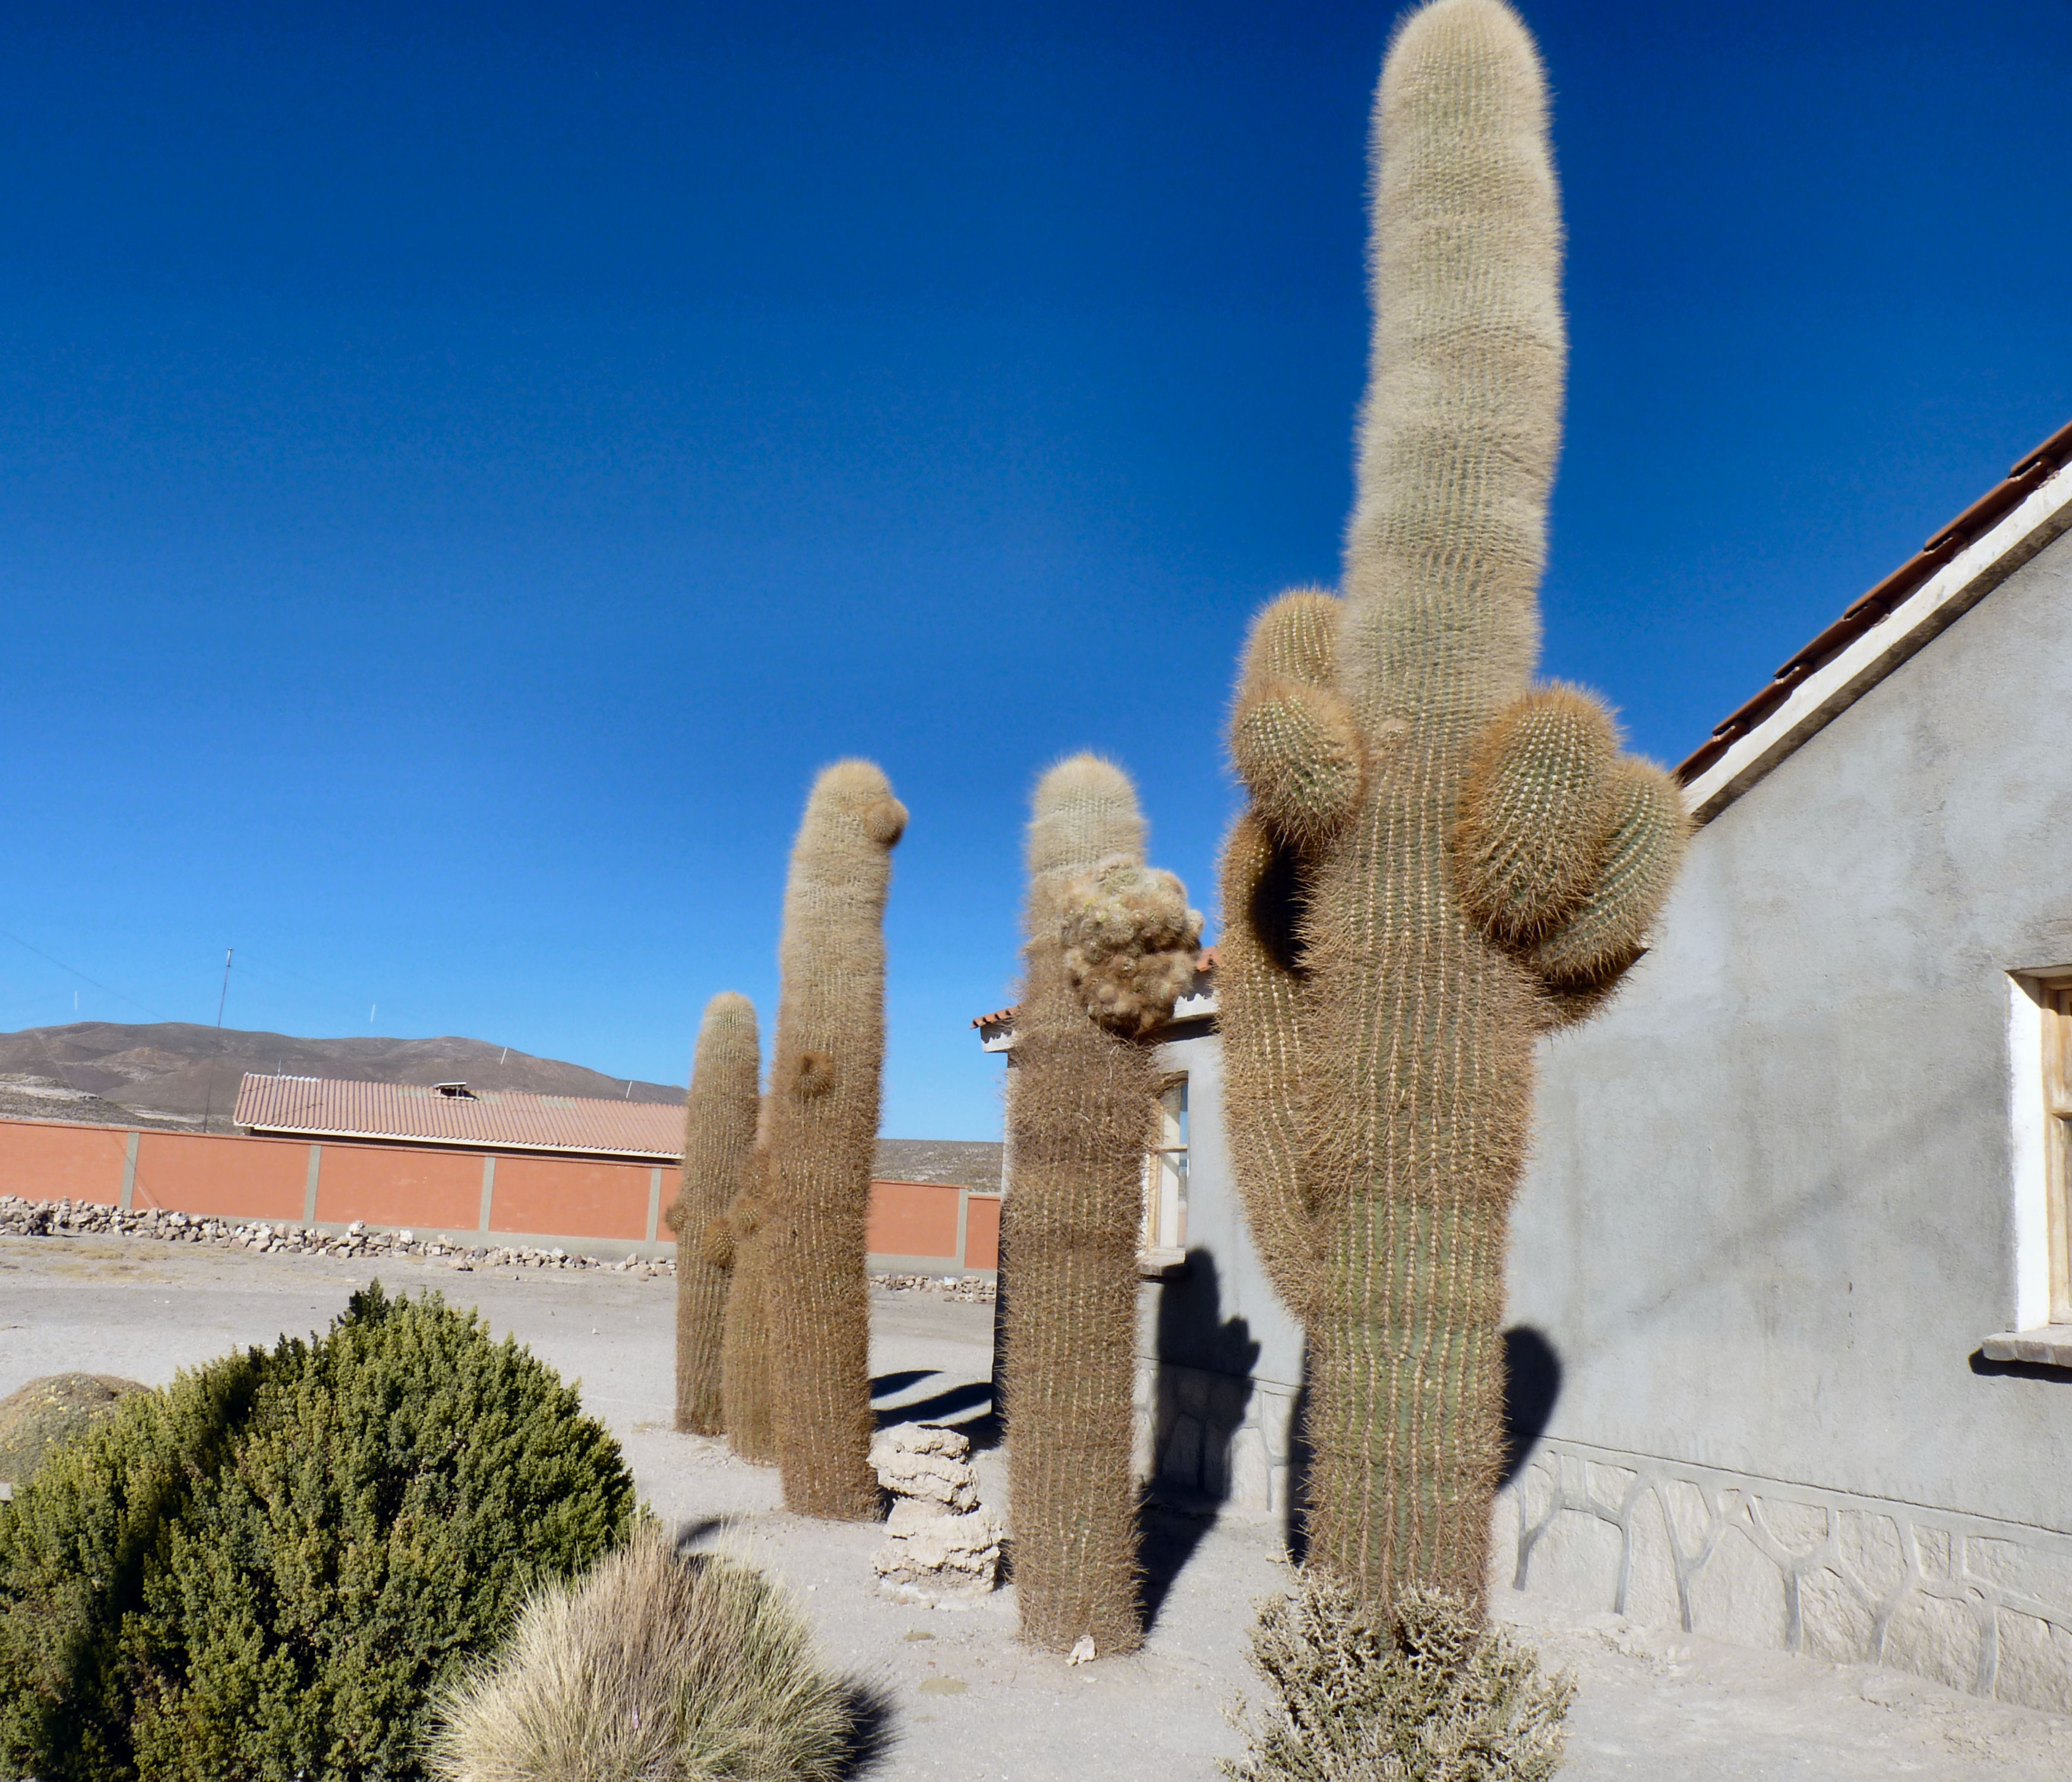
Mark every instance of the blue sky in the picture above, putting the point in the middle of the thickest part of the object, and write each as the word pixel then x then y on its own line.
pixel 465 468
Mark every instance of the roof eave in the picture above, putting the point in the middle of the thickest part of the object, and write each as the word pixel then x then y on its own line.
pixel 453 1142
pixel 1819 695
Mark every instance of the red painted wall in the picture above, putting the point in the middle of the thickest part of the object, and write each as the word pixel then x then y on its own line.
pixel 222 1178
pixel 571 1198
pixel 400 1186
pixel 564 1198
pixel 61 1162
pixel 982 1232
pixel 912 1219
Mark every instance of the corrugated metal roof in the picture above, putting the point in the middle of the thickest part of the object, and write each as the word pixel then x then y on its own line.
pixel 505 1118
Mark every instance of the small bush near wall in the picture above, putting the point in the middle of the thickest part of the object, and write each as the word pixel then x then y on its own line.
pixel 1424 1695
pixel 272 1566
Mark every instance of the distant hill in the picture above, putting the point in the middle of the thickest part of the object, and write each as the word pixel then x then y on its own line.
pixel 171 1072
pixel 166 1074
pixel 966 1162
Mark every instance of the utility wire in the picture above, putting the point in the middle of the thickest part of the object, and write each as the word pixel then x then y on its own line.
pixel 82 977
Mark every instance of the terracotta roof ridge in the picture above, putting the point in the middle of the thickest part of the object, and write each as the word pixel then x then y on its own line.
pixel 2030 472
pixel 509 1119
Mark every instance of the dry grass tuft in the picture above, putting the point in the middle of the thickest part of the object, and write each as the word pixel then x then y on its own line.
pixel 1427 1696
pixel 655 1667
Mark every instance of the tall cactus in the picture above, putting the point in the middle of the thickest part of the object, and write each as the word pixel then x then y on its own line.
pixel 719 1136
pixel 822 1139
pixel 1441 861
pixel 740 1246
pixel 1111 945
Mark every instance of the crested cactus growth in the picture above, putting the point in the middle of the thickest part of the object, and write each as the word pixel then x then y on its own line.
pixel 737 1243
pixel 1440 862
pixel 719 1137
pixel 1111 945
pixel 821 1140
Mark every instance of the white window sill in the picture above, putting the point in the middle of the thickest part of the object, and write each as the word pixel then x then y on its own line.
pixel 2051 1345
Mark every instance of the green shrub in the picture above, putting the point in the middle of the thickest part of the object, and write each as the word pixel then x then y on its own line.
pixel 269 1569
pixel 1429 1696
pixel 655 1668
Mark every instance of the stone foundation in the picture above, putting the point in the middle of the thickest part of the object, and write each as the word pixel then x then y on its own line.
pixel 1214 1438
pixel 1979 1605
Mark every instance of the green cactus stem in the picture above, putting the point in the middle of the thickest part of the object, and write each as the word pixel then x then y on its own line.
pixel 1441 861
pixel 1111 945
pixel 822 1139
pixel 719 1139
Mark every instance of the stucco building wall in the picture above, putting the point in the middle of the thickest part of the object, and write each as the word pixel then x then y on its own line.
pixel 1772 1212
pixel 1219 1359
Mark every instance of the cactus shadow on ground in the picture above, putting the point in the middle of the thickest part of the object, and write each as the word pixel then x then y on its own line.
pixel 950 1408
pixel 952 1405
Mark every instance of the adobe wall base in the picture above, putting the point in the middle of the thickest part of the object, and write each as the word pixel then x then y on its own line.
pixel 1976 1604
pixel 1214 1440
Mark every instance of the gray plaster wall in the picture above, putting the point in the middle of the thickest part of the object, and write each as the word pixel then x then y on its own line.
pixel 1219 1358
pixel 1771 1213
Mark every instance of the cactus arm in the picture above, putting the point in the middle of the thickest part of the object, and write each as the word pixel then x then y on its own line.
pixel 1259 996
pixel 719 1136
pixel 1606 933
pixel 1105 936
pixel 1294 744
pixel 1536 814
pixel 821 1134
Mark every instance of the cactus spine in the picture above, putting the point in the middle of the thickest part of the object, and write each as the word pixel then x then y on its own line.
pixel 1440 862
pixel 821 1140
pixel 1110 947
pixel 745 1386
pixel 719 1140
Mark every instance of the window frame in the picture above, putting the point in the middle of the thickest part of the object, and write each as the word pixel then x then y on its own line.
pixel 2054 1001
pixel 1153 1237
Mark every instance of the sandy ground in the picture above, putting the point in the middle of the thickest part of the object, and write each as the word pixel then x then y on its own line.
pixel 966 1700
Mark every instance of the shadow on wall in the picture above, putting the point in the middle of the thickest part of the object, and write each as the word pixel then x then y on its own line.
pixel 1204 1389
pixel 1532 1385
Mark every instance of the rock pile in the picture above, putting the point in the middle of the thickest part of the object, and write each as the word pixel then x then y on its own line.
pixel 942 1544
pixel 23 1218
pixel 967 1289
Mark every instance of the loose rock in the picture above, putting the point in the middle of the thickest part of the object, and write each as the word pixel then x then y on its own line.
pixel 942 1545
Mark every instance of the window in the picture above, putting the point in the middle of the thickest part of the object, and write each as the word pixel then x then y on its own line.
pixel 2057 1117
pixel 2039 1058
pixel 1165 1172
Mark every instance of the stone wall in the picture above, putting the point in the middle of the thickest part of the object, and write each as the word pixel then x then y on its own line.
pixel 1980 1604
pixel 1773 1211
pixel 1215 1440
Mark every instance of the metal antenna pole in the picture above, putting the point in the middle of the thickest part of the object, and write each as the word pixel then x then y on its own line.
pixel 208 1100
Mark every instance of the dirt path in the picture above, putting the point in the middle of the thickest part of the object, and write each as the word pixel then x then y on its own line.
pixel 967 1700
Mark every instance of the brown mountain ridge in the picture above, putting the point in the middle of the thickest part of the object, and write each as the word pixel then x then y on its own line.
pixel 169 1073
pixel 179 1070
